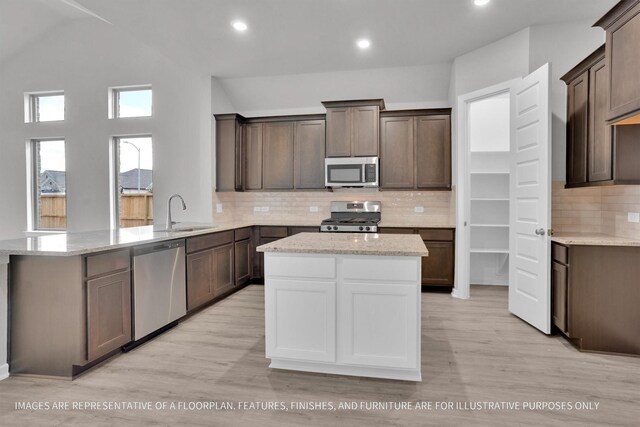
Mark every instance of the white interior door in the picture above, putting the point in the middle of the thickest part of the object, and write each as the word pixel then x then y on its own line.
pixel 530 207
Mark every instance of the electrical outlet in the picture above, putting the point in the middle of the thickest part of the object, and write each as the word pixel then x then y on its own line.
pixel 218 207
pixel 633 217
pixel 313 209
pixel 418 209
pixel 265 209
pixel 257 208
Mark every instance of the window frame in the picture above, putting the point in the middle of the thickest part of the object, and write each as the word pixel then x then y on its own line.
pixel 32 112
pixel 114 98
pixel 33 186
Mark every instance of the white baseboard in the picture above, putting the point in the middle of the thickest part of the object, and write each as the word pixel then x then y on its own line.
pixel 4 371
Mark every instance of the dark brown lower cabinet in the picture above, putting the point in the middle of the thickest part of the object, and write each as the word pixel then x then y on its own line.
pixel 199 279
pixel 68 312
pixel 596 295
pixel 559 287
pixel 438 267
pixel 108 313
pixel 223 267
pixel 210 271
pixel 243 253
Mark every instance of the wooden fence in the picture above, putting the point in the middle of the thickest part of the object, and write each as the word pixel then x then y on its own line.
pixel 135 210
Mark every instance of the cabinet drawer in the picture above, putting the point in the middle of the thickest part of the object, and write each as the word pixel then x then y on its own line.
pixel 243 233
pixel 273 231
pixel 560 253
pixel 437 234
pixel 107 263
pixel 387 230
pixel 199 243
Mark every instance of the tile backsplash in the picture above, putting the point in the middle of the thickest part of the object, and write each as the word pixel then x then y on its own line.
pixel 596 209
pixel 293 207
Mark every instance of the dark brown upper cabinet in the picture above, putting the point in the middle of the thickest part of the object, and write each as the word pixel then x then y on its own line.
pixel 309 150
pixel 277 156
pixel 352 127
pixel 229 153
pixel 597 152
pixel 253 150
pixel 622 25
pixel 415 149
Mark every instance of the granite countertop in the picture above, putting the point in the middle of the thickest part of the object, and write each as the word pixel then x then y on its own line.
pixel 350 244
pixel 592 239
pixel 71 244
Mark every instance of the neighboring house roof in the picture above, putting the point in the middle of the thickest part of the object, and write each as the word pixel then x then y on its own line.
pixel 52 182
pixel 129 179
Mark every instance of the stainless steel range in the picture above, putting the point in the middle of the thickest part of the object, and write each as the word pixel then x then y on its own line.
pixel 353 217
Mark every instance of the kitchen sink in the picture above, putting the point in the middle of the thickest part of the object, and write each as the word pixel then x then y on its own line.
pixel 187 228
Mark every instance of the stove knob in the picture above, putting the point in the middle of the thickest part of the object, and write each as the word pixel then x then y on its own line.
pixel 361 228
pixel 335 228
pixel 368 228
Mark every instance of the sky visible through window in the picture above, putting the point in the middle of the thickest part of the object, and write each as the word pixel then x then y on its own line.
pixel 52 155
pixel 50 108
pixel 129 155
pixel 135 103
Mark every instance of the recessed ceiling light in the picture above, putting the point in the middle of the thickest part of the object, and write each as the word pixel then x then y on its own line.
pixel 481 2
pixel 239 26
pixel 363 43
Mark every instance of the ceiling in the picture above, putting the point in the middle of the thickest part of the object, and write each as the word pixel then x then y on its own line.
pixel 298 36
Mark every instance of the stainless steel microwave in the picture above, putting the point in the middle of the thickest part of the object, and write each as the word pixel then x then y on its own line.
pixel 351 172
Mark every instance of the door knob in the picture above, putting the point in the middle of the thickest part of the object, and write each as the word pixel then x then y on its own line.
pixel 540 232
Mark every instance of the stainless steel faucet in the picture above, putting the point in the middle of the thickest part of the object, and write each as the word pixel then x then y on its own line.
pixel 170 222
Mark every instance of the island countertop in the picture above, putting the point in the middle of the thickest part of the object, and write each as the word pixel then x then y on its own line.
pixel 350 244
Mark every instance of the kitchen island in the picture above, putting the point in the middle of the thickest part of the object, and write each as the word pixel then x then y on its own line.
pixel 344 303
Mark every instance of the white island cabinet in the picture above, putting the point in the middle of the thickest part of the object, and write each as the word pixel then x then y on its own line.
pixel 344 304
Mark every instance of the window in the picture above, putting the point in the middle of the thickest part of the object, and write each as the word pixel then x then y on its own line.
pixel 44 107
pixel 48 201
pixel 132 181
pixel 131 102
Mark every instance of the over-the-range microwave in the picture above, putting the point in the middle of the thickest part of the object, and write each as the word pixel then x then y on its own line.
pixel 351 172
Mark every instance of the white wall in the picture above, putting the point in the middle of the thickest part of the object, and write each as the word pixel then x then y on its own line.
pixel 564 46
pixel 407 87
pixel 84 58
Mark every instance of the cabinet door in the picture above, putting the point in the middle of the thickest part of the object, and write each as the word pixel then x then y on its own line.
pixel 108 313
pixel 260 255
pixel 397 157
pixel 277 156
pixel 338 132
pixel 437 268
pixel 364 130
pixel 600 152
pixel 433 151
pixel 379 324
pixel 559 280
pixel 624 62
pixel 199 279
pixel 578 92
pixel 226 160
pixel 309 142
pixel 300 320
pixel 223 269
pixel 243 253
pixel 253 150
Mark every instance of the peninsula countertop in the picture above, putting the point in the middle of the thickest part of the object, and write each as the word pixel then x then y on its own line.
pixel 592 239
pixel 350 244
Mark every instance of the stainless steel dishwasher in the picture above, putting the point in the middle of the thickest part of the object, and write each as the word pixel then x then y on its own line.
pixel 159 286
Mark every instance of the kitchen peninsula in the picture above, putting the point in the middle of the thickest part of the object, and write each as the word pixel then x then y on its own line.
pixel 344 303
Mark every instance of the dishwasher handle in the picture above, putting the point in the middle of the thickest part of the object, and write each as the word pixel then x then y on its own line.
pixel 156 247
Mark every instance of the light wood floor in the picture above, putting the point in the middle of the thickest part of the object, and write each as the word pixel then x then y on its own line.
pixel 472 351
